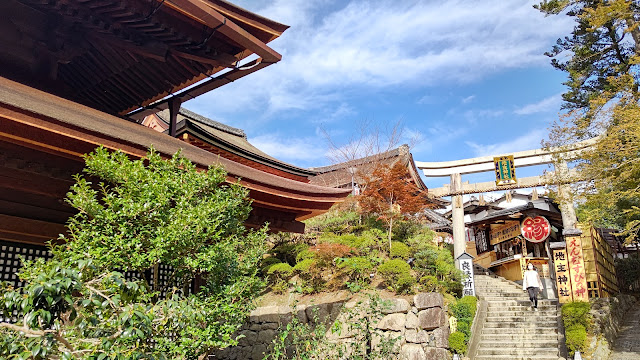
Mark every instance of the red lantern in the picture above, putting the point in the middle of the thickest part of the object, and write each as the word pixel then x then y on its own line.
pixel 536 229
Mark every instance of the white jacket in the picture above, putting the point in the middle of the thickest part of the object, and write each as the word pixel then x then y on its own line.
pixel 531 279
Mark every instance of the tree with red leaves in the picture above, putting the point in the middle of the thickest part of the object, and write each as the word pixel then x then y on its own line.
pixel 389 194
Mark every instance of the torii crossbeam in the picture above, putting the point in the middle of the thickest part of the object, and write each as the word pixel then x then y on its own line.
pixel 454 169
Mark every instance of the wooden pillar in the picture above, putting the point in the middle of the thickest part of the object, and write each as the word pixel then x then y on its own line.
pixel 457 217
pixel 174 108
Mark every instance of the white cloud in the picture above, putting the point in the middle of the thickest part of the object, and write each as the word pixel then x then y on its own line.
pixel 551 103
pixel 305 149
pixel 468 99
pixel 332 46
pixel 528 141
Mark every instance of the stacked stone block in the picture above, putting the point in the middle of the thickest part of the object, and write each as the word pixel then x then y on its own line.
pixel 421 327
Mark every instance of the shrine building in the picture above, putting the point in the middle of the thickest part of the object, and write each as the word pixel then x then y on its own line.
pixel 78 74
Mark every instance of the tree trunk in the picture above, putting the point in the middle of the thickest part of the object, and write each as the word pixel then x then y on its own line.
pixel 389 235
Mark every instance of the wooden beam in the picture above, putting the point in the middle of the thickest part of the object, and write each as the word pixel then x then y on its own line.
pixel 174 108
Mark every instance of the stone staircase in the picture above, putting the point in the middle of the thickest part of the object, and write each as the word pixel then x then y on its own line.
pixel 511 328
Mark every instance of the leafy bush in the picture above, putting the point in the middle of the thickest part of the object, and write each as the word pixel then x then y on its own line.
pixel 433 261
pixel 576 313
pixel 399 250
pixel 457 342
pixel 327 252
pixel 304 266
pixel 138 214
pixel 471 302
pixel 575 316
pixel 304 255
pixel 430 283
pixel 267 262
pixel 576 338
pixel 280 271
pixel 628 271
pixel 464 327
pixel 397 275
pixel 288 252
pixel 357 268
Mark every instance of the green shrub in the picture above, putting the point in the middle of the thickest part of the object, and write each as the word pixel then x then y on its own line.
pixel 399 250
pixel 430 283
pixel 288 252
pixel 404 284
pixel 357 268
pixel 397 275
pixel 463 310
pixel 358 242
pixel 457 343
pixel 304 266
pixel 576 313
pixel 576 338
pixel 267 262
pixel 464 327
pixel 575 316
pixel 472 301
pixel 304 255
pixel 280 271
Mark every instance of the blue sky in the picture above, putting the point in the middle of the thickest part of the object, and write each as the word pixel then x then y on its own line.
pixel 469 78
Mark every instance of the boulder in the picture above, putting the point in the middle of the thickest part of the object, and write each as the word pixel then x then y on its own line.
pixel 412 321
pixel 396 306
pixel 441 337
pixel 432 353
pixel 393 322
pixel 416 336
pixel 412 352
pixel 428 300
pixel 431 318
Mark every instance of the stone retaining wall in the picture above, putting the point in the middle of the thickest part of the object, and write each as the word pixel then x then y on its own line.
pixel 608 315
pixel 421 326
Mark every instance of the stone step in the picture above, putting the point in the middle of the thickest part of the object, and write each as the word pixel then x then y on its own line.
pixel 518 331
pixel 517 357
pixel 510 343
pixel 519 337
pixel 527 313
pixel 533 319
pixel 519 351
pixel 518 325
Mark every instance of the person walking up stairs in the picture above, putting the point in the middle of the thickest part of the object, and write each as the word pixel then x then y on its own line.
pixel 512 329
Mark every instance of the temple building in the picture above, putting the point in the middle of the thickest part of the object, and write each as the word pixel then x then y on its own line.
pixel 78 74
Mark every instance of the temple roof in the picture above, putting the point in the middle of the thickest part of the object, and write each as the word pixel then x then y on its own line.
pixel 118 56
pixel 233 142
pixel 340 175
pixel 49 124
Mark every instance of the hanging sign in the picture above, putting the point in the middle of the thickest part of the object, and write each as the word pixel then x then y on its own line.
pixel 504 232
pixel 563 277
pixel 536 229
pixel 465 262
pixel 576 268
pixel 505 170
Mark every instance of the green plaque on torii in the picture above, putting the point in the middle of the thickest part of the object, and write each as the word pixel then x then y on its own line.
pixel 505 170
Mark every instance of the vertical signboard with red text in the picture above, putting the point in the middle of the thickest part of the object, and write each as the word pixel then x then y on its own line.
pixel 576 269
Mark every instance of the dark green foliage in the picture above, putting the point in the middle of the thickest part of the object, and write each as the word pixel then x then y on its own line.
pixel 463 310
pixel 356 268
pixel 143 214
pixel 628 272
pixel 431 261
pixel 397 275
pixel 288 252
pixel 399 250
pixel 576 318
pixel 266 263
pixel 457 343
pixel 305 255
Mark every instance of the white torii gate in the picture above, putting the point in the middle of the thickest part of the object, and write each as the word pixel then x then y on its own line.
pixel 454 169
